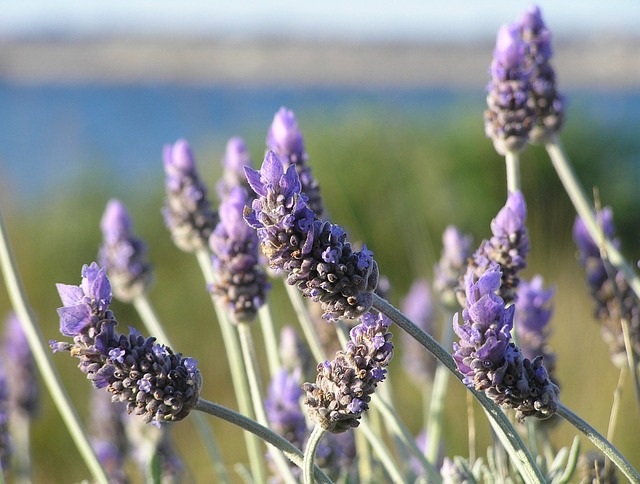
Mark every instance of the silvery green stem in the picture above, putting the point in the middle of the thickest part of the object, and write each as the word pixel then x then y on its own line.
pixel 43 359
pixel 294 454
pixel 19 425
pixel 394 423
pixel 512 161
pixel 152 323
pixel 572 186
pixel 382 452
pixel 238 372
pixel 270 339
pixel 508 435
pixel 305 322
pixel 438 393
pixel 600 442
pixel 255 388
pixel 310 453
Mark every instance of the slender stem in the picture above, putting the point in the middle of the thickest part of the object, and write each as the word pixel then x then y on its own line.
pixel 20 431
pixel 507 434
pixel 603 444
pixel 381 451
pixel 305 322
pixel 310 453
pixel 270 340
pixel 615 406
pixel 238 372
pixel 572 186
pixel 512 161
pixel 294 454
pixel 43 358
pixel 255 388
pixel 471 427
pixel 154 327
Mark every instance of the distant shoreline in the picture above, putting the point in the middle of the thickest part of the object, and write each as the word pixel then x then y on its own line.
pixel 588 64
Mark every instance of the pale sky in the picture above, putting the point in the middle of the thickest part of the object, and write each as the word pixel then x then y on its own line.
pixel 329 19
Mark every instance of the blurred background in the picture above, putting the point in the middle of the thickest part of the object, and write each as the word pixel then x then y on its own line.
pixel 389 98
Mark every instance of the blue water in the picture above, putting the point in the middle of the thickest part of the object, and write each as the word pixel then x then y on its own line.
pixel 50 133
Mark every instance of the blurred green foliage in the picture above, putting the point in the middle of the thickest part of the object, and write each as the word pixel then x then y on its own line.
pixel 392 182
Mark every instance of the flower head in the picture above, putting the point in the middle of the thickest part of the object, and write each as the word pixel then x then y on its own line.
pixel 122 254
pixel 187 211
pixel 509 118
pixel 508 247
pixel 283 406
pixel 314 254
pixel 285 139
pixel 490 361
pixel 236 157
pixel 344 385
pixel 150 378
pixel 613 296
pixel 240 281
pixel 456 249
pixel 22 374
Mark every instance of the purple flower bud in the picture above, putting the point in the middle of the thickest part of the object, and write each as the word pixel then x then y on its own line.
pixel 344 386
pixel 604 290
pixel 419 308
pixel 456 249
pixel 509 118
pixel 122 254
pixel 285 139
pixel 314 254
pixel 187 211
pixel 151 379
pixel 490 361
pixel 21 369
pixel 236 157
pixel 240 281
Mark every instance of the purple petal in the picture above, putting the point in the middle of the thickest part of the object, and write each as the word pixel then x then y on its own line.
pixel 74 319
pixel 253 178
pixel 272 169
pixel 70 295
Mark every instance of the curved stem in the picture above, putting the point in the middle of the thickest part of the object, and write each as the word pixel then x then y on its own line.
pixel 310 453
pixel 603 444
pixel 505 431
pixel 154 327
pixel 43 358
pixel 305 322
pixel 512 161
pixel 270 339
pixel 238 372
pixel 294 454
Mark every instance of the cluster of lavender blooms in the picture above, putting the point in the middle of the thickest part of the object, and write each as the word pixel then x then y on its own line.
pixel 523 104
pixel 123 254
pixel 456 249
pixel 187 212
pixel 342 390
pixel 507 247
pixel 150 378
pixel 314 254
pixel 419 307
pixel 241 281
pixel 285 139
pixel 490 361
pixel 236 157
pixel 533 313
pixel 613 296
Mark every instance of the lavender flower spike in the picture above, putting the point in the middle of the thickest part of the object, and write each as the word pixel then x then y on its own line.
pixel 343 387
pixel 488 359
pixel 241 282
pixel 285 139
pixel 508 247
pixel 236 157
pixel 122 254
pixel 187 211
pixel 509 118
pixel 283 407
pixel 545 101
pixel 603 290
pixel 456 249
pixel 150 378
pixel 314 254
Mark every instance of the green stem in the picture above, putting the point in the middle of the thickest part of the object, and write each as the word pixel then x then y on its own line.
pixel 20 430
pixel 310 453
pixel 305 322
pixel 154 327
pixel 270 339
pixel 381 451
pixel 43 358
pixel 603 444
pixel 512 161
pixel 584 208
pixel 255 387
pixel 238 372
pixel 505 431
pixel 294 454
